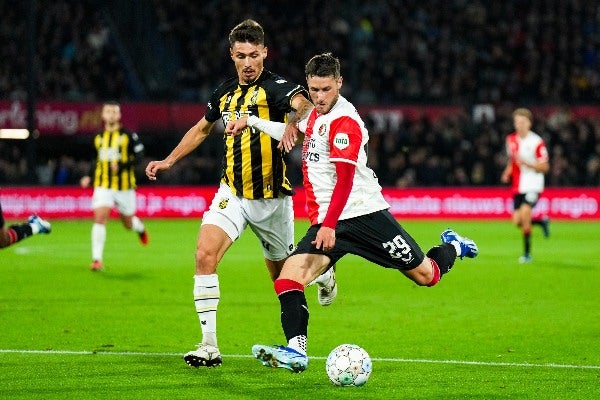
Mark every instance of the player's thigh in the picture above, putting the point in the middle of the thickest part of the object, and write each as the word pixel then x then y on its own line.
pixel 272 221
pixel 212 244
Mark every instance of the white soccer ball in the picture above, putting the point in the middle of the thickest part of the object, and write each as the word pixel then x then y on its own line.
pixel 348 365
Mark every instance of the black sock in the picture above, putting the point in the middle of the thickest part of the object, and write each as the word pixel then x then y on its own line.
pixel 294 313
pixel 444 255
pixel 22 231
pixel 527 242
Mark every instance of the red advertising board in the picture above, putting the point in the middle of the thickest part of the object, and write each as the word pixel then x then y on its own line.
pixel 56 118
pixel 191 202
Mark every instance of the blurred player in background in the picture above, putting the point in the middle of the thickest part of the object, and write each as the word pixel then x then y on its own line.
pixel 114 180
pixel 17 232
pixel 254 188
pixel 348 213
pixel 527 164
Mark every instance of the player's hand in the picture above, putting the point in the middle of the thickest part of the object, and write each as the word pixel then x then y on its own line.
pixel 236 127
pixel 85 181
pixel 289 138
pixel 325 238
pixel 154 167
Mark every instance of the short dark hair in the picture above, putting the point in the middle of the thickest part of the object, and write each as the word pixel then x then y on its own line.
pixel 111 103
pixel 247 31
pixel 322 65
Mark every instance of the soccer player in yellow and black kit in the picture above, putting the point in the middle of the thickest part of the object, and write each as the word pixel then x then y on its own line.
pixel 254 189
pixel 114 180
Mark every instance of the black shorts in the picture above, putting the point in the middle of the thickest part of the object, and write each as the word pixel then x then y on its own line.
pixel 530 198
pixel 1 218
pixel 376 237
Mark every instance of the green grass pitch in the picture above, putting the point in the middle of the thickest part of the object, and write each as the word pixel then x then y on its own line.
pixel 492 328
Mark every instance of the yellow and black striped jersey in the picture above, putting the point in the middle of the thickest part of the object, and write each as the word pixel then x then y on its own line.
pixel 253 166
pixel 116 147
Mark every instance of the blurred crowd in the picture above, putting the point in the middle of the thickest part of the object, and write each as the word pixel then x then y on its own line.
pixel 462 52
pixel 465 51
pixel 452 150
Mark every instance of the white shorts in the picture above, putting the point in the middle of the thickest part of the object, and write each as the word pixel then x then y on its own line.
pixel 123 199
pixel 271 220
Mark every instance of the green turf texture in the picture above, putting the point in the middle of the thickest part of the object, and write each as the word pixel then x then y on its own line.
pixel 492 328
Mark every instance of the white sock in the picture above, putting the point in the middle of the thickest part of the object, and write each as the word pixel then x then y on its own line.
pixel 206 299
pixel 298 343
pixel 456 245
pixel 98 239
pixel 137 224
pixel 35 229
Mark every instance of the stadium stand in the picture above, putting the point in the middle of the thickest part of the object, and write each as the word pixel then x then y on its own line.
pixel 394 52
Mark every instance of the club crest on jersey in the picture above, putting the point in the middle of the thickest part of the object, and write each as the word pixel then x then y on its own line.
pixel 223 203
pixel 322 129
pixel 341 141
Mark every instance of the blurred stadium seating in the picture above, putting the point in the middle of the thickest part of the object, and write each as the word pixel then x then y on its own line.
pixel 466 53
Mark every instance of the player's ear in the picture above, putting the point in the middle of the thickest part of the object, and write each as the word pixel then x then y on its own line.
pixel 339 82
pixel 265 51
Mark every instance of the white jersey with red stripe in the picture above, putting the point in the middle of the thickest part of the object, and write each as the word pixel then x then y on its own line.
pixel 530 149
pixel 338 136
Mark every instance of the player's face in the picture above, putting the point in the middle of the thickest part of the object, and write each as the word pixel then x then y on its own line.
pixel 111 114
pixel 324 92
pixel 249 60
pixel 522 124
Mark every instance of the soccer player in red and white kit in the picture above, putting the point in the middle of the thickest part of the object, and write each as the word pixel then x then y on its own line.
pixel 347 211
pixel 527 164
pixel 17 232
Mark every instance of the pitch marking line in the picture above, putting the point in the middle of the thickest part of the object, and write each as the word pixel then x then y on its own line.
pixel 399 360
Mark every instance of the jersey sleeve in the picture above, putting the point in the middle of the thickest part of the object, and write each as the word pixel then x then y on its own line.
pixel 213 110
pixel 281 91
pixel 345 139
pixel 541 153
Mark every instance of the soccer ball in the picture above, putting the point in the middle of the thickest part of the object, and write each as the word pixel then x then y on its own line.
pixel 348 365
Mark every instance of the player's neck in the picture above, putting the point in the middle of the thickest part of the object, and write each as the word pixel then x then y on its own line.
pixel 112 127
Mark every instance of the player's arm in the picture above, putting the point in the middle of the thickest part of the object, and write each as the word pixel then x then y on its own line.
pixel 538 166
pixel 508 170
pixel 86 180
pixel 345 168
pixel 190 141
pixel 505 177
pixel 325 237
pixel 292 134
pixel 271 128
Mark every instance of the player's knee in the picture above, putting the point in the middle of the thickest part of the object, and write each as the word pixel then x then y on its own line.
pixel 206 262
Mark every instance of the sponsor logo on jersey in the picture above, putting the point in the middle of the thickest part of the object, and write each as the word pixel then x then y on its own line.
pixel 341 141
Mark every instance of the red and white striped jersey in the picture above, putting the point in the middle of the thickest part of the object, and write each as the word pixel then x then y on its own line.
pixel 338 136
pixel 530 149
